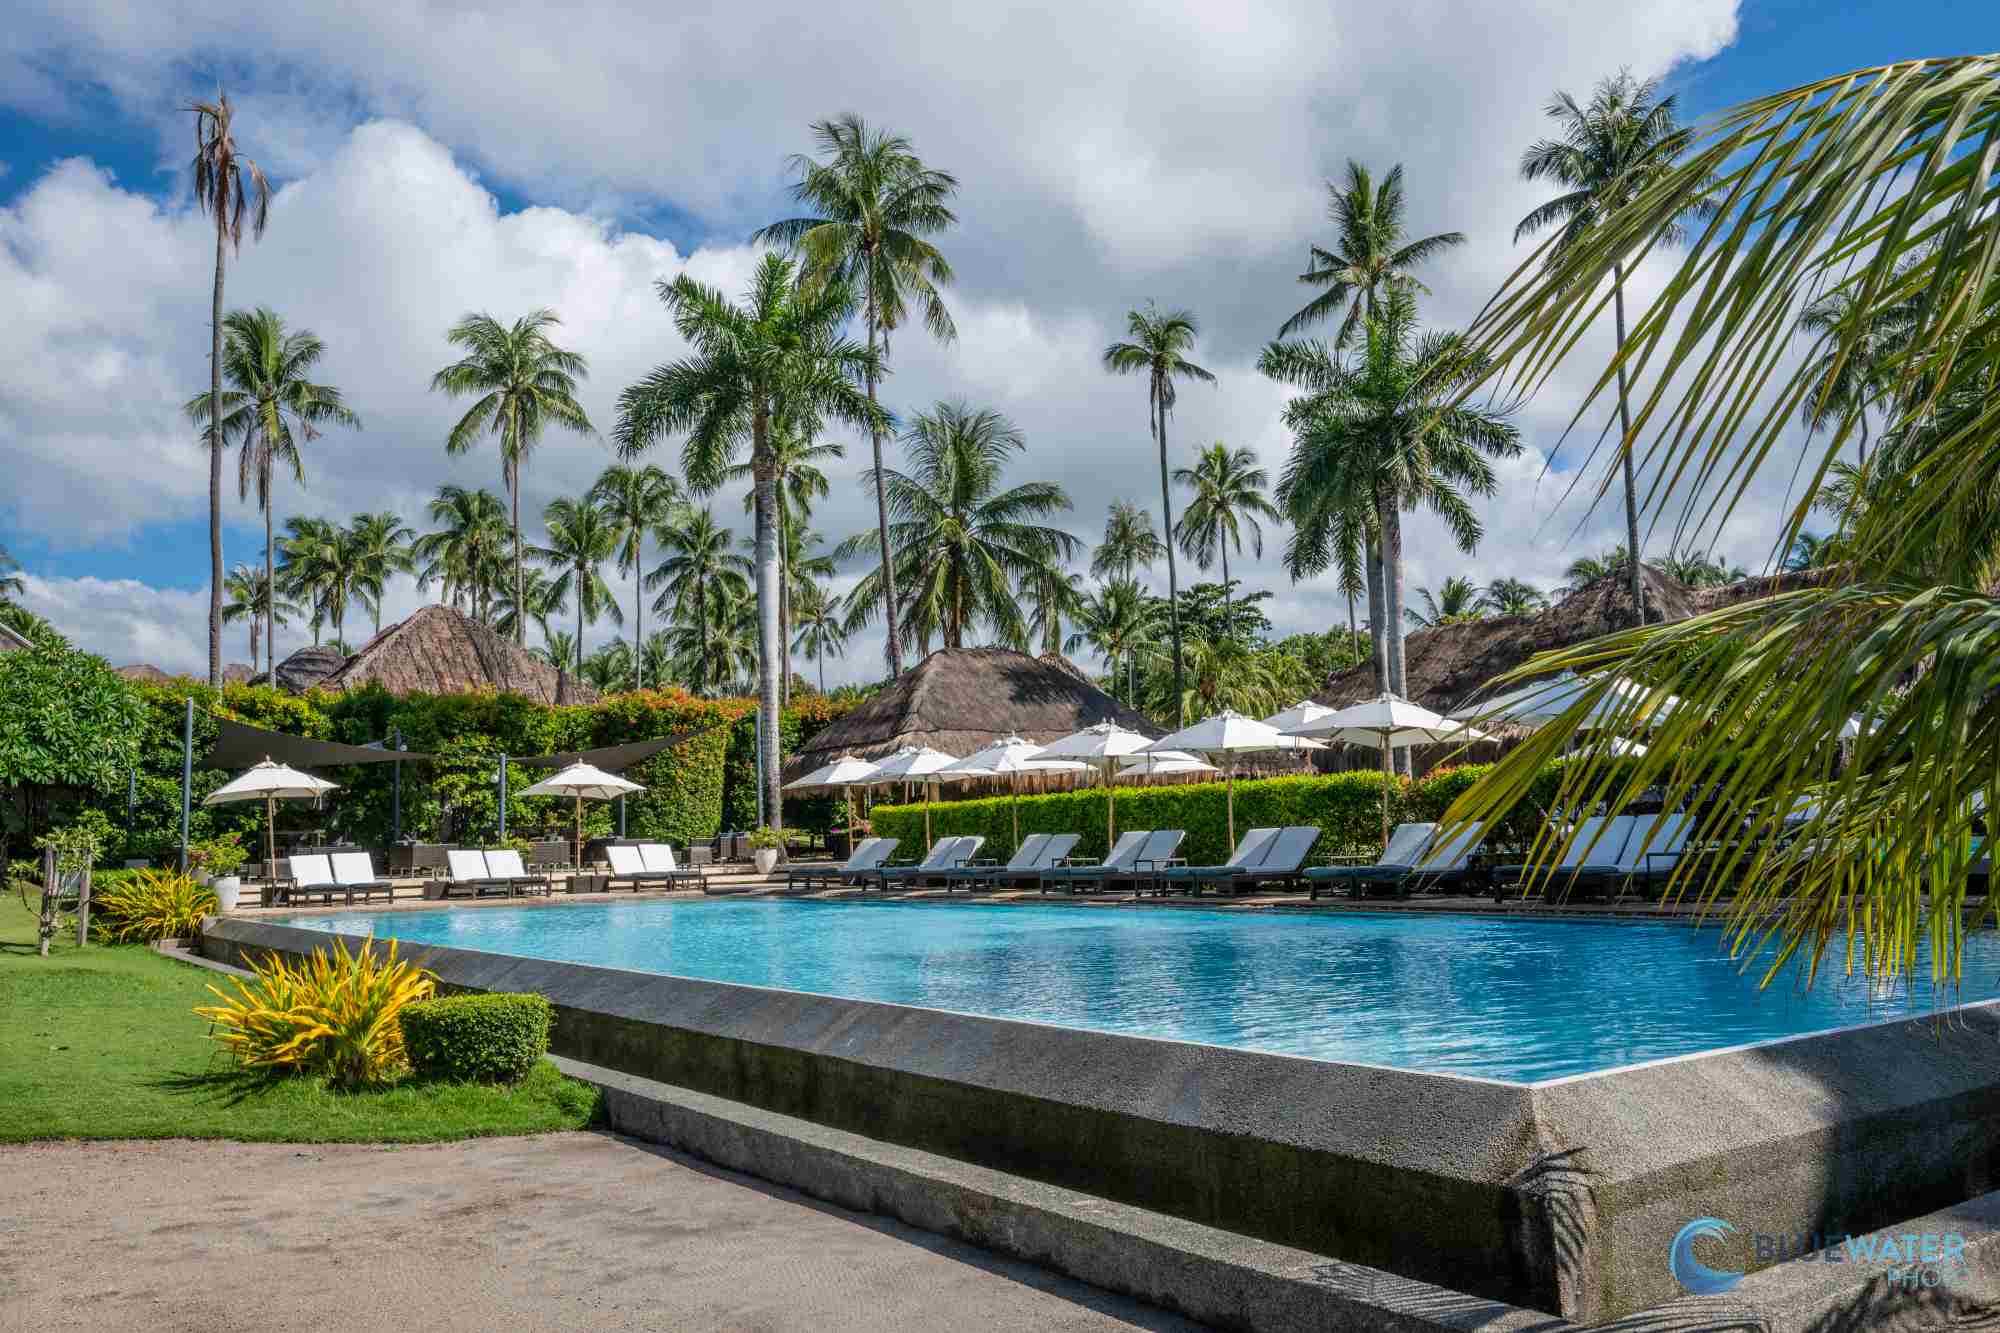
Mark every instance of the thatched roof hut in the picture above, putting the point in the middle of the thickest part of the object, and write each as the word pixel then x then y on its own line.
pixel 309 667
pixel 1447 665
pixel 963 699
pixel 442 651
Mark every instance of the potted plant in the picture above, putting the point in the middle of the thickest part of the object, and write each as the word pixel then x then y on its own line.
pixel 216 860
pixel 765 844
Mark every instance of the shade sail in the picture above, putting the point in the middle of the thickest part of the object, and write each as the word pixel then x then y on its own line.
pixel 240 746
pixel 610 758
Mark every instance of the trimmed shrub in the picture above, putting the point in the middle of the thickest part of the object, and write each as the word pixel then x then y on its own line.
pixel 151 905
pixel 495 1038
pixel 333 1016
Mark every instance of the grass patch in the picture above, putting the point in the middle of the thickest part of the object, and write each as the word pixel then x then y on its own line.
pixel 102 1042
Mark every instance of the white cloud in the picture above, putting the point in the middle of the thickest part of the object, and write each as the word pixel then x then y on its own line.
pixel 1105 161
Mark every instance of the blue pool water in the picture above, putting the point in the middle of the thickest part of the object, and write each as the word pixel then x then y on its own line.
pixel 1517 1000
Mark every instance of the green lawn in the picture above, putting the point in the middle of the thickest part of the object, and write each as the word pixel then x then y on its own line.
pixel 102 1042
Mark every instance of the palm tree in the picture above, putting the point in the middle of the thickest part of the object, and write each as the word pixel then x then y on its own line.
pixel 1228 491
pixel 1850 370
pixel 321 566
pixel 637 500
pixel 464 552
pixel 11 582
pixel 796 456
pixel 1812 550
pixel 1456 601
pixel 1056 594
pixel 561 651
pixel 525 383
pixel 1373 259
pixel 1129 543
pixel 220 174
pixel 581 538
pixel 1588 569
pixel 1609 153
pixel 1158 349
pixel 656 658
pixel 821 631
pixel 1701 569
pixel 874 201
pixel 1227 673
pixel 722 648
pixel 270 409
pixel 778 356
pixel 1118 621
pixel 960 543
pixel 540 605
pixel 250 599
pixel 1384 435
pixel 699 562
pixel 609 669
pixel 381 551
pixel 1507 596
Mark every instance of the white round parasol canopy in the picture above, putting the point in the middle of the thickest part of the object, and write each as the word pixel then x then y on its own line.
pixel 1101 746
pixel 843 775
pixel 912 763
pixel 1389 720
pixel 270 782
pixel 1009 757
pixel 1225 735
pixel 583 782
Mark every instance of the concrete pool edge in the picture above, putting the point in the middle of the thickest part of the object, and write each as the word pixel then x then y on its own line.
pixel 1562 1197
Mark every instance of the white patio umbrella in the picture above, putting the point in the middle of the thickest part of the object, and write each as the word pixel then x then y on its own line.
pixel 1541 702
pixel 1390 721
pixel 269 782
pixel 843 774
pixel 1007 758
pixel 583 781
pixel 1162 764
pixel 1228 734
pixel 1301 714
pixel 912 763
pixel 1100 746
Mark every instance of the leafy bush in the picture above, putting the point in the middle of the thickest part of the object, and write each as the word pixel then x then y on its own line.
pixel 335 1016
pixel 766 839
pixel 152 905
pixel 477 1038
pixel 220 855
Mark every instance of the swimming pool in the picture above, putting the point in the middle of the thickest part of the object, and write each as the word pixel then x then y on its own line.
pixel 1517 1000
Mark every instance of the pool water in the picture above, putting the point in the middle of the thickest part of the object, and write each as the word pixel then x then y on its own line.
pixel 1505 999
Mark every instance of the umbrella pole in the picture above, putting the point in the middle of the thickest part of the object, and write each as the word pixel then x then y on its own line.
pixel 579 830
pixel 1388 772
pixel 927 816
pixel 271 838
pixel 1110 808
pixel 1015 783
pixel 1229 786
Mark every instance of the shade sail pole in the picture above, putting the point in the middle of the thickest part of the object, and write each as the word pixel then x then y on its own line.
pixel 1388 772
pixel 396 809
pixel 503 796
pixel 187 776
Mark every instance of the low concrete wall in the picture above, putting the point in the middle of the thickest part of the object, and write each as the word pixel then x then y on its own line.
pixel 1563 1196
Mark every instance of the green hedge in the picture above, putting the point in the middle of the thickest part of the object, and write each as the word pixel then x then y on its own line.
pixel 1345 806
pixel 693 791
pixel 495 1038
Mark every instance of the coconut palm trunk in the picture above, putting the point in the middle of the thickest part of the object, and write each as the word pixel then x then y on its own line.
pixel 1167 517
pixel 270 600
pixel 514 493
pixel 215 461
pixel 768 659
pixel 1632 562
pixel 1378 642
pixel 895 650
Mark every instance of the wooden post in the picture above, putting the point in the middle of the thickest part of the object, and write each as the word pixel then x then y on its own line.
pixel 83 910
pixel 45 925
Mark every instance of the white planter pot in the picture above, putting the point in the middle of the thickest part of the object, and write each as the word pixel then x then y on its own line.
pixel 766 858
pixel 228 888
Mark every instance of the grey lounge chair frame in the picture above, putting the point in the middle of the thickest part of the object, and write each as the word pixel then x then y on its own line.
pixel 1251 848
pixel 946 856
pixel 1156 853
pixel 865 860
pixel 1053 853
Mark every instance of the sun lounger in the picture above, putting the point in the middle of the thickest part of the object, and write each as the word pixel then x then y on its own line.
pixel 1283 864
pixel 1026 856
pixel 469 873
pixel 658 858
pixel 1156 853
pixel 1250 848
pixel 1011 875
pixel 947 855
pixel 1653 845
pixel 867 858
pixel 1065 875
pixel 355 873
pixel 312 875
pixel 1399 860
pixel 628 866
pixel 504 866
pixel 1594 850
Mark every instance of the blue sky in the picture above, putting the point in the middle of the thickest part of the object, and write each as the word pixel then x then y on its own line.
pixel 586 168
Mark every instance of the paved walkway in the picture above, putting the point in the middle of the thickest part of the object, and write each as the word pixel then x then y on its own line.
pixel 567 1231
